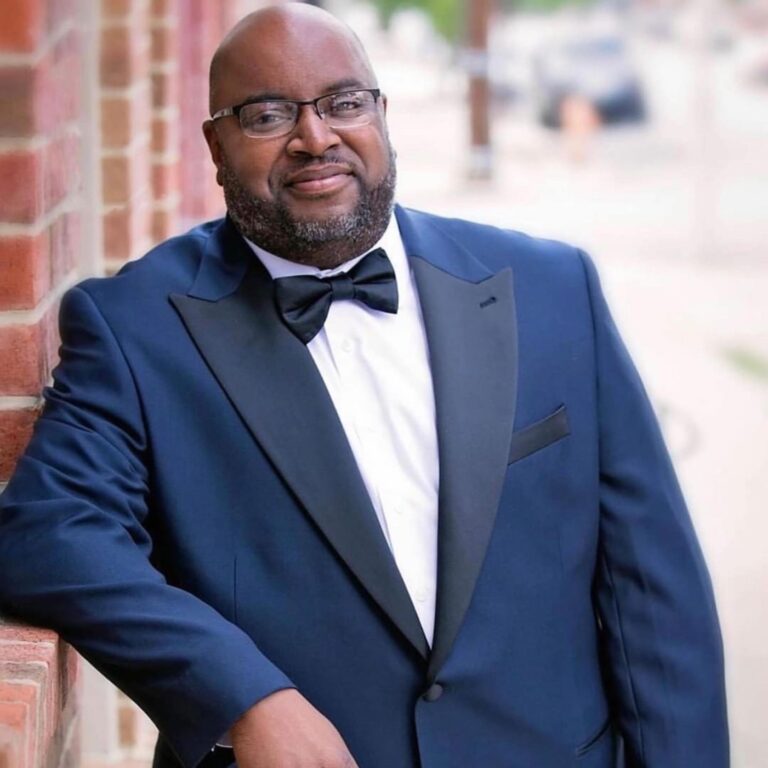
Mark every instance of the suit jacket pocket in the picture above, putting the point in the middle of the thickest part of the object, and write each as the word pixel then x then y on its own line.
pixel 540 434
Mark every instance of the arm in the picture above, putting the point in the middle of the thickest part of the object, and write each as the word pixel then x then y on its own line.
pixel 74 552
pixel 662 648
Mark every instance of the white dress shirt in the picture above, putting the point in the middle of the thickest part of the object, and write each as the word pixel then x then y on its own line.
pixel 375 366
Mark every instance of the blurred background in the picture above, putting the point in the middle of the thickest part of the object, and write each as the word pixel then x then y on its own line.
pixel 637 129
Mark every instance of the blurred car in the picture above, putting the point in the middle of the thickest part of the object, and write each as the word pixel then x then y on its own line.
pixel 598 70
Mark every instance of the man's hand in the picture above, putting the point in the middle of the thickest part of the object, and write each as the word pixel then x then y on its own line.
pixel 284 730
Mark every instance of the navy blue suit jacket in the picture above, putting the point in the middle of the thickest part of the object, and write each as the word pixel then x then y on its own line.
pixel 189 515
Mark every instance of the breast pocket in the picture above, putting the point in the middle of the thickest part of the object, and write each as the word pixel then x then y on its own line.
pixel 539 435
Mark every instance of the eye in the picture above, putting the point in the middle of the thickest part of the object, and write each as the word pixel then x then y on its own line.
pixel 347 103
pixel 265 116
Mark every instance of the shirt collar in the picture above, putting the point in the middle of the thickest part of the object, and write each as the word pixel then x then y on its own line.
pixel 390 241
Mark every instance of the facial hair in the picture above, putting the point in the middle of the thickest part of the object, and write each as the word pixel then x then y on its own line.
pixel 323 243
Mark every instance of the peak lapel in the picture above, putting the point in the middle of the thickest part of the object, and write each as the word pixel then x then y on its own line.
pixel 471 333
pixel 272 381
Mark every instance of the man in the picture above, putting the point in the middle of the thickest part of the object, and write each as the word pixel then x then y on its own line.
pixel 414 513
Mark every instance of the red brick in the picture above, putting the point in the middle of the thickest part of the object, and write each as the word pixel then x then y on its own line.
pixel 21 175
pixel 39 99
pixel 37 662
pixel 125 177
pixel 23 24
pixel 124 56
pixel 124 117
pixel 165 134
pixel 164 43
pixel 22 349
pixel 24 271
pixel 15 431
pixel 165 179
pixel 164 223
pixel 127 230
pixel 23 633
pixel 163 8
pixel 117 121
pixel 33 181
pixel 10 756
pixel 116 8
pixel 24 698
pixel 165 88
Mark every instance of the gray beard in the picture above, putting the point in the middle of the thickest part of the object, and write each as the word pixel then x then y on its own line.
pixel 322 243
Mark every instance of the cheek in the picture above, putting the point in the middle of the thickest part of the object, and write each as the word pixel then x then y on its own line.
pixel 374 153
pixel 254 170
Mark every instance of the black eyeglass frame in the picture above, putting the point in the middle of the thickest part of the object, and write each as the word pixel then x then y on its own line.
pixel 236 109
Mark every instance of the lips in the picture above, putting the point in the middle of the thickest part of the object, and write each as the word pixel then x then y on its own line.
pixel 320 180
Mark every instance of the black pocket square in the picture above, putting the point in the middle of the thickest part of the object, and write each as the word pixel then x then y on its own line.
pixel 539 434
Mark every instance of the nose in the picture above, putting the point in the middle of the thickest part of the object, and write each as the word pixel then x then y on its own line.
pixel 312 135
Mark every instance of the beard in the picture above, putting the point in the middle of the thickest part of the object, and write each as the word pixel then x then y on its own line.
pixel 324 243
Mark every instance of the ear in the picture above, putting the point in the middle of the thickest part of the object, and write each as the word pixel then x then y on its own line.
pixel 384 103
pixel 214 146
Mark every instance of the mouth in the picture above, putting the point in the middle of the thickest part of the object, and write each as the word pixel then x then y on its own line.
pixel 320 180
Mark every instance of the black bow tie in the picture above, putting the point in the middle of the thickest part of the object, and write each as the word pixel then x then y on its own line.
pixel 303 301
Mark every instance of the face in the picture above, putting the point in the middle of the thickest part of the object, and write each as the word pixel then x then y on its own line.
pixel 316 195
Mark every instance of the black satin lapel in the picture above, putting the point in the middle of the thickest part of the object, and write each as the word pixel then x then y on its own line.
pixel 272 381
pixel 472 338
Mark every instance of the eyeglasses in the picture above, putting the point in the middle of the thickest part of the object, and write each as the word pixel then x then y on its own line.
pixel 265 118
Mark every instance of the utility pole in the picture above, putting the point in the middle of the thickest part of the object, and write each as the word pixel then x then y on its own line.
pixel 477 65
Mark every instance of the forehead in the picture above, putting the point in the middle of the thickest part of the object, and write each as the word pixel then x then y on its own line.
pixel 295 61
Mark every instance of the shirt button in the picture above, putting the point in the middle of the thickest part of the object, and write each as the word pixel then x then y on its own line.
pixel 433 693
pixel 421 595
pixel 347 345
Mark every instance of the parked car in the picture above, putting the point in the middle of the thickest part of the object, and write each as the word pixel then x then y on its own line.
pixel 599 70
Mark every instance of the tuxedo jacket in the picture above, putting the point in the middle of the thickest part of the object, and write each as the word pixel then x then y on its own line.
pixel 189 515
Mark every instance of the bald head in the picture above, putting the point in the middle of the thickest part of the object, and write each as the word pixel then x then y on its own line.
pixel 277 34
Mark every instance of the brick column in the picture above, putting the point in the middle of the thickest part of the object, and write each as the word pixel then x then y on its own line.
pixel 40 59
pixel 38 700
pixel 164 70
pixel 125 127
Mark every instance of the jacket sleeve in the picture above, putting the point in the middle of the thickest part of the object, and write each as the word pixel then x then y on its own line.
pixel 661 640
pixel 74 552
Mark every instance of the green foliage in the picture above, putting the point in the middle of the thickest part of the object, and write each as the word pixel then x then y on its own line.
pixel 446 15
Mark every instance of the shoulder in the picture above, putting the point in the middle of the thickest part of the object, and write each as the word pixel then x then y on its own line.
pixel 497 248
pixel 169 267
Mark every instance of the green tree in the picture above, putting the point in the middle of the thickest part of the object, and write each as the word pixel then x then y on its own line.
pixel 445 14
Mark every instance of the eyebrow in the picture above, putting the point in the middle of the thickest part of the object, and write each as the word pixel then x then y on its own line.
pixel 339 85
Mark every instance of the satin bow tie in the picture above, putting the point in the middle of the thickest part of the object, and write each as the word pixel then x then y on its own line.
pixel 303 301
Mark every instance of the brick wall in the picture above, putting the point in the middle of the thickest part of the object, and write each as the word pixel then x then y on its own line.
pixel 147 63
pixel 40 59
pixel 38 700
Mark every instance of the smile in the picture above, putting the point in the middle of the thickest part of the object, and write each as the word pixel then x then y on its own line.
pixel 320 181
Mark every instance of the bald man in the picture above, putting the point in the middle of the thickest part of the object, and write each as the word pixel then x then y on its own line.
pixel 334 483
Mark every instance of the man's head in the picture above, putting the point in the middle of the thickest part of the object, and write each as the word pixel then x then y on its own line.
pixel 316 194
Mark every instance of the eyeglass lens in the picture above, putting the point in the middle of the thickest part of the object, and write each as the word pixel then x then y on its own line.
pixel 339 110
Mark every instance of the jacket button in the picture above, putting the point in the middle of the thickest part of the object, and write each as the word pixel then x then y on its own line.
pixel 433 693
